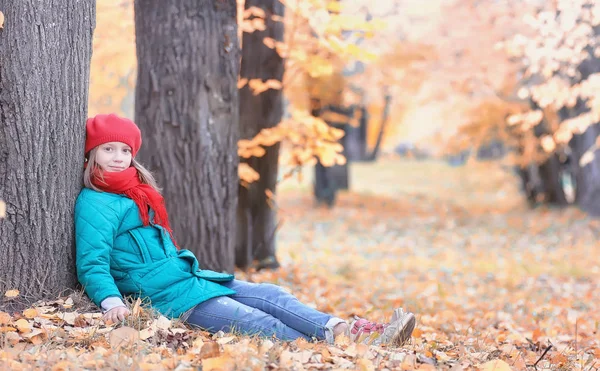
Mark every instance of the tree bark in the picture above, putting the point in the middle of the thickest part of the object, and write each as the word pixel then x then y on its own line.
pixel 587 177
pixel 186 104
pixel 385 115
pixel 45 54
pixel 330 179
pixel 256 219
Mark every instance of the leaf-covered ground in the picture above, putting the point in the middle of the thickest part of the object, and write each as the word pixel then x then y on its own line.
pixel 495 286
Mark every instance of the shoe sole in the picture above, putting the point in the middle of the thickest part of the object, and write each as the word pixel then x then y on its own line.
pixel 405 331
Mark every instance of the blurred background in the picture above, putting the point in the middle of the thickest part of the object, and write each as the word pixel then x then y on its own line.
pixel 494 99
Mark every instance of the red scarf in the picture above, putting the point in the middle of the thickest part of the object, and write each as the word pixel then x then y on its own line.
pixel 127 182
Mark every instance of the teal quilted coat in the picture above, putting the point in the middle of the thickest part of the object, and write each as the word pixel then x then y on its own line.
pixel 117 255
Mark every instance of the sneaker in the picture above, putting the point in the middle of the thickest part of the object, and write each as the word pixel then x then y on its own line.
pixel 396 333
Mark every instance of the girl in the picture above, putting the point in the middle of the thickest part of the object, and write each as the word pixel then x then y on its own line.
pixel 124 247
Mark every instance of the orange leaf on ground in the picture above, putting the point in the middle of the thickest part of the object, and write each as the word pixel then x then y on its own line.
pixel 4 318
pixel 495 365
pixel 23 325
pixel 11 293
pixel 222 363
pixel 30 313
pixel 123 337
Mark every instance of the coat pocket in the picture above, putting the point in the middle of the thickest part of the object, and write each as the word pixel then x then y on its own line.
pixel 139 242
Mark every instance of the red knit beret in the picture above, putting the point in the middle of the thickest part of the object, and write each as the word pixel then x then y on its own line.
pixel 102 129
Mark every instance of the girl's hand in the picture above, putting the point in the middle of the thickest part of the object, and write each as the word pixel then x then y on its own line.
pixel 115 315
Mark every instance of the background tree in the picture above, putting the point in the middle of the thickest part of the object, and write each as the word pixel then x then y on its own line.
pixel 186 104
pixel 256 216
pixel 561 70
pixel 45 54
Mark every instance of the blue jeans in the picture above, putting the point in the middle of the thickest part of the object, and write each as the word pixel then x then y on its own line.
pixel 261 309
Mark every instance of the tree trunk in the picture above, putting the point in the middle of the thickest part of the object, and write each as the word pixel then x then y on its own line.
pixel 330 179
pixel 587 178
pixel 256 219
pixel 384 119
pixel 45 54
pixel 186 104
pixel 355 139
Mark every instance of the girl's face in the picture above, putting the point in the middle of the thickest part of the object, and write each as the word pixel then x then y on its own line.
pixel 113 156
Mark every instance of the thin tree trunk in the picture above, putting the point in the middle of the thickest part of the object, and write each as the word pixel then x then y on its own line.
pixel 186 105
pixel 256 218
pixel 384 119
pixel 45 54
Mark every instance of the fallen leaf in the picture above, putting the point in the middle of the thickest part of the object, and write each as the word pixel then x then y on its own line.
pixel 91 316
pixel 32 333
pixel 266 346
pixel 351 350
pixel 80 321
pixel 342 340
pixel 37 339
pixel 4 318
pixel 68 317
pixel 30 313
pixel 334 351
pixel 147 333
pixel 123 337
pixel 68 303
pixel 96 364
pixel 163 323
pixel 209 350
pixel 62 366
pixel 342 362
pixel 303 356
pixel 11 338
pixel 286 359
pixel 409 362
pixel 222 363
pixel 23 325
pixel 226 340
pixel 153 358
pixel 11 293
pixel 495 365
pixel 417 333
pixel 365 365
pixel 326 355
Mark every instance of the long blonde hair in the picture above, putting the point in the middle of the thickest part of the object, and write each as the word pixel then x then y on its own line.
pixel 144 174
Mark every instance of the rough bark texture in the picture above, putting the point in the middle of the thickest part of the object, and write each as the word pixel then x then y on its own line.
pixel 45 52
pixel 256 219
pixel 186 105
